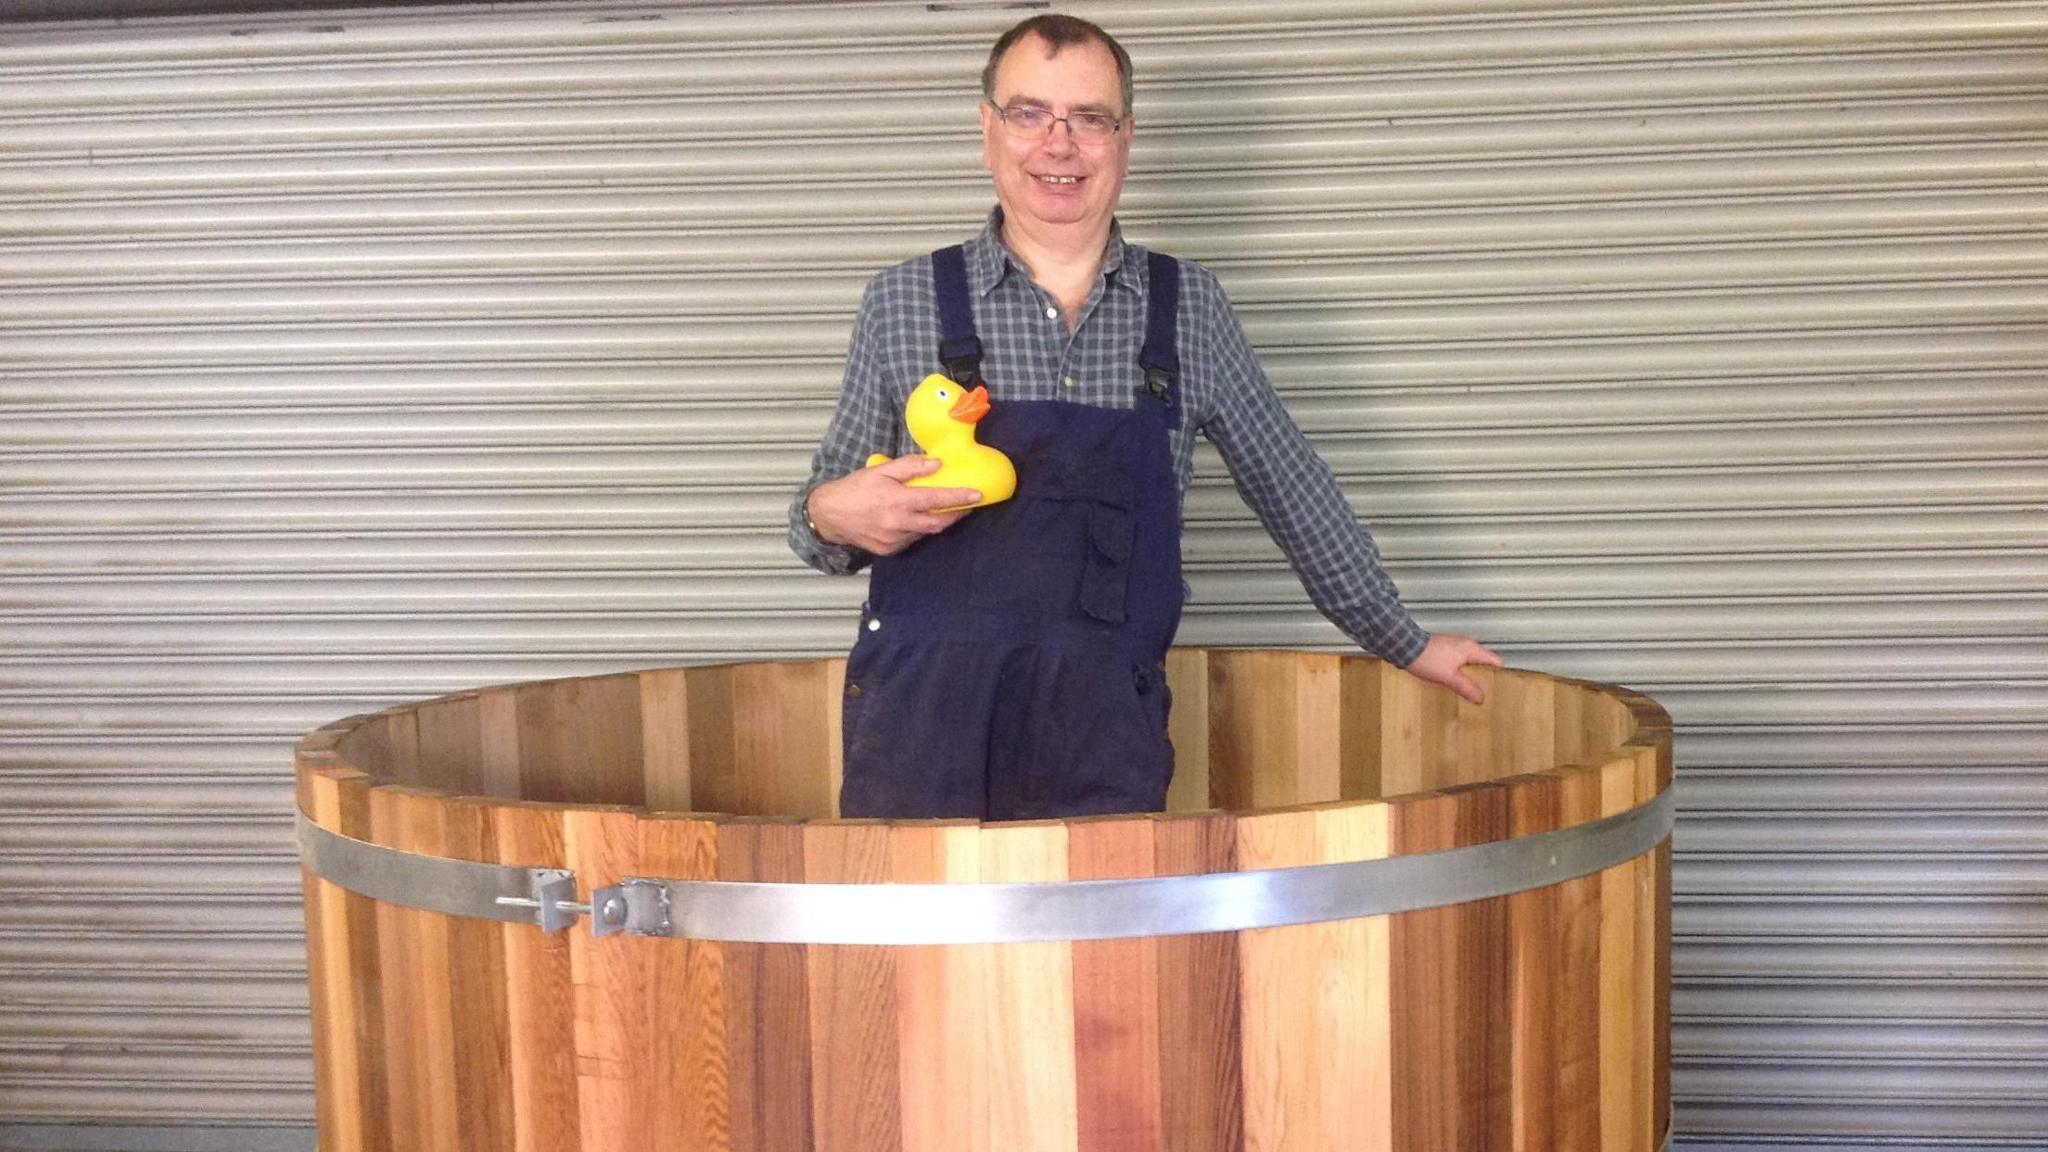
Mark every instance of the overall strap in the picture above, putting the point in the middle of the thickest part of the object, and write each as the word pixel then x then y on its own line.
pixel 959 347
pixel 1157 357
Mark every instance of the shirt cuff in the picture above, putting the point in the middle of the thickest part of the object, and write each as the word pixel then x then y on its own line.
pixel 1398 641
pixel 832 559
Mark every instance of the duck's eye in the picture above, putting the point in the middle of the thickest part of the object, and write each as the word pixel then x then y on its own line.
pixel 945 395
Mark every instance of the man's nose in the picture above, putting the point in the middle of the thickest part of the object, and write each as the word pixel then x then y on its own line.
pixel 1061 138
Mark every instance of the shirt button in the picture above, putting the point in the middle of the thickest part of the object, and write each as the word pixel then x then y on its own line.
pixel 874 625
pixel 1069 381
pixel 853 691
pixel 1052 313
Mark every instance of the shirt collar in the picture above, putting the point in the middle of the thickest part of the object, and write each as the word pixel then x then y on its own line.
pixel 988 260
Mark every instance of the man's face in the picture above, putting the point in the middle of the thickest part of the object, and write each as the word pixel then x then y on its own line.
pixel 1056 181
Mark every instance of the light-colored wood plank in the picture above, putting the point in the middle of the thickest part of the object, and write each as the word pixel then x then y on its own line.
pixel 1534 1008
pixel 1280 1002
pixel 1273 728
pixel 478 1009
pixel 685 1053
pixel 1187 728
pixel 1317 721
pixel 783 740
pixel 345 988
pixel 1404 765
pixel 1353 1042
pixel 1457 739
pixel 1029 1027
pixel 855 1053
pixel 540 999
pixel 1520 712
pixel 413 961
pixel 835 746
pixel 665 739
pixel 942 996
pixel 1648 956
pixel 1623 1102
pixel 611 976
pixel 1577 940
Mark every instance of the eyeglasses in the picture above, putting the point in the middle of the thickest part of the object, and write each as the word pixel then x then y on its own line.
pixel 1031 122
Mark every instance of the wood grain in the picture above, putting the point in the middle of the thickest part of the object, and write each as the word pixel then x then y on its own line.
pixel 477 990
pixel 1201 1073
pixel 343 973
pixel 414 963
pixel 1116 1001
pixel 1029 1024
pixel 855 1050
pixel 616 1092
pixel 944 1066
pixel 540 1000
pixel 683 1004
pixel 767 1001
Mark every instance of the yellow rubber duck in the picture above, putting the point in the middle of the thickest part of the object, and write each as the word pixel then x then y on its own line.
pixel 942 415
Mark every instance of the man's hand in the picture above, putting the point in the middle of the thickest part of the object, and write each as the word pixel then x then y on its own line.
pixel 874 510
pixel 1443 662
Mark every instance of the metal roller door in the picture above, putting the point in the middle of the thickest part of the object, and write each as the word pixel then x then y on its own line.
pixel 352 357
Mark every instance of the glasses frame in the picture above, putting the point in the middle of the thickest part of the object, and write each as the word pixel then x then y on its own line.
pixel 1116 123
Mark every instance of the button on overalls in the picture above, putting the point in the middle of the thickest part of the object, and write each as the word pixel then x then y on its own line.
pixel 1011 667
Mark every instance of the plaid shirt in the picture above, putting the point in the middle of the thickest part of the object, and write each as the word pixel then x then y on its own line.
pixel 1028 355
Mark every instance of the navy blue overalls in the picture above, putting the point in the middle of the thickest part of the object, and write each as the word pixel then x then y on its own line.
pixel 1011 667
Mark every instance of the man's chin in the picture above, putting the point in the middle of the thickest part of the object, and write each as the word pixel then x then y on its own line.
pixel 1056 213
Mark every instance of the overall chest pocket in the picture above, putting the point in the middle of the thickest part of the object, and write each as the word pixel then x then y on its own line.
pixel 1064 545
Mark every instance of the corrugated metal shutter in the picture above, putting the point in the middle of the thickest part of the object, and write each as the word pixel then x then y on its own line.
pixel 1698 347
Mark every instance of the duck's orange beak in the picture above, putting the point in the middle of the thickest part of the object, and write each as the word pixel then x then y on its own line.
pixel 971 406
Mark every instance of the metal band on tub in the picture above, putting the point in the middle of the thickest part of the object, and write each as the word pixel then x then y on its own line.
pixel 799 913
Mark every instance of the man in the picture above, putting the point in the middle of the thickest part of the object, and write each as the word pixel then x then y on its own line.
pixel 1009 660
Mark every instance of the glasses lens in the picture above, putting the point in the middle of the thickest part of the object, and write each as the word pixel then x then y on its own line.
pixel 1027 120
pixel 1091 126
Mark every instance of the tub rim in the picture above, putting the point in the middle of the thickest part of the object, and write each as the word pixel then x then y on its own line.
pixel 892 912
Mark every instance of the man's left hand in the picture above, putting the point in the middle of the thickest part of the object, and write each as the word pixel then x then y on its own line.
pixel 1443 662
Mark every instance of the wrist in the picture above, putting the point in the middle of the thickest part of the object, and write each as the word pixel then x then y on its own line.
pixel 813 524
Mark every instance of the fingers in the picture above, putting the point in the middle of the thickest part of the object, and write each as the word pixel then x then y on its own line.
pixel 933 499
pixel 928 523
pixel 906 467
pixel 1444 659
pixel 1464 686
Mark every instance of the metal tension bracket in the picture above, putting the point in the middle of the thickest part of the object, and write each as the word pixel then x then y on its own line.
pixel 633 906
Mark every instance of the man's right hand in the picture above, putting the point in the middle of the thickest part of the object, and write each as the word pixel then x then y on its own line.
pixel 874 510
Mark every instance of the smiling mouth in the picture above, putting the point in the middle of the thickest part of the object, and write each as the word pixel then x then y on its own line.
pixel 1059 180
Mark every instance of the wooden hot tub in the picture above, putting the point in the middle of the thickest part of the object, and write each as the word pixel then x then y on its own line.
pixel 512 945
